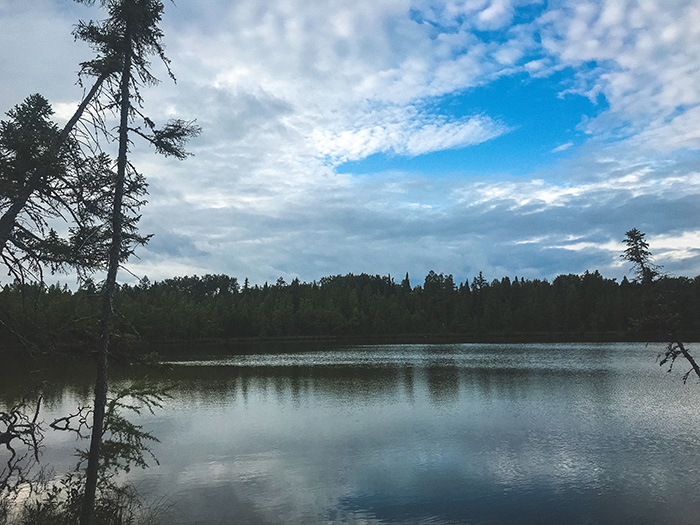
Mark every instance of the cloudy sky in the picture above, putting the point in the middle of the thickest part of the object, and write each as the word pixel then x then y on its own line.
pixel 513 137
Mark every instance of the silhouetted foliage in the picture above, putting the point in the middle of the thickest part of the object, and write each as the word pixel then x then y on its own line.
pixel 123 43
pixel 48 181
pixel 587 306
pixel 21 435
pixel 665 307
pixel 57 501
pixel 47 173
pixel 637 252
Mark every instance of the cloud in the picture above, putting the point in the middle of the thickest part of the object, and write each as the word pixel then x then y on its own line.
pixel 562 147
pixel 399 221
pixel 49 53
pixel 287 91
pixel 642 56
pixel 406 132
pixel 497 14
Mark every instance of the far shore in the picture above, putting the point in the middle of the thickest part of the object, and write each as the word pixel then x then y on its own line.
pixel 263 344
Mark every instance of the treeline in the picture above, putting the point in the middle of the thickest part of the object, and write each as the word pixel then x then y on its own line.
pixel 219 307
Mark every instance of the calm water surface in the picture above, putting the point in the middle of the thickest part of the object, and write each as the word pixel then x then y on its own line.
pixel 565 433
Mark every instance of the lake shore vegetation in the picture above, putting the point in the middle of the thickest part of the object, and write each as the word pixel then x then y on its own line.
pixel 217 308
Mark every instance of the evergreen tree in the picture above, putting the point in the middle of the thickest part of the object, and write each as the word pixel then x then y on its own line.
pixel 46 178
pixel 43 175
pixel 125 41
pixel 637 252
pixel 659 311
pixel 406 284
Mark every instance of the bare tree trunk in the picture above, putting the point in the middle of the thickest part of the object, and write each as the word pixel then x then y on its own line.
pixel 689 358
pixel 92 471
pixel 9 218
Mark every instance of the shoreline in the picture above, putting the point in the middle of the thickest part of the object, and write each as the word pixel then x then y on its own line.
pixel 259 344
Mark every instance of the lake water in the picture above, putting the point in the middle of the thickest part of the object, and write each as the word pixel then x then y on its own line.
pixel 550 433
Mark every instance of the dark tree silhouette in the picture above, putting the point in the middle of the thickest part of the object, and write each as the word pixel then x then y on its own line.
pixel 43 175
pixel 637 252
pixel 41 178
pixel 21 434
pixel 659 312
pixel 127 38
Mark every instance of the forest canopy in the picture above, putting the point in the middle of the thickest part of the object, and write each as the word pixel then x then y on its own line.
pixel 219 307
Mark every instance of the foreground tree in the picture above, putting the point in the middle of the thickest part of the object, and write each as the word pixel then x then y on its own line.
pixel 58 501
pixel 659 312
pixel 41 175
pixel 128 37
pixel 44 175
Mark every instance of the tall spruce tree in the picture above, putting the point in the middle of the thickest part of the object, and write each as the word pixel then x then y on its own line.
pixel 659 313
pixel 128 38
pixel 637 252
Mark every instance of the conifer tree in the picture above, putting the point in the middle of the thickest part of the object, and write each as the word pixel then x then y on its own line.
pixel 45 176
pixel 637 252
pixel 126 40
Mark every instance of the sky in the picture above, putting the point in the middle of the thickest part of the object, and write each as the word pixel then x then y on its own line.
pixel 510 137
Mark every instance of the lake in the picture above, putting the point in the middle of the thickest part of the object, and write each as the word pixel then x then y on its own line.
pixel 472 433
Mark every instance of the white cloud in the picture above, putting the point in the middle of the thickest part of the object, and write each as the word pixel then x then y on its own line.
pixel 406 132
pixel 288 90
pixel 562 147
pixel 608 185
pixel 645 60
pixel 497 14
pixel 677 246
pixel 298 91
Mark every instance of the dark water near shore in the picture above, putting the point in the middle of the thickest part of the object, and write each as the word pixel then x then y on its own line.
pixel 555 433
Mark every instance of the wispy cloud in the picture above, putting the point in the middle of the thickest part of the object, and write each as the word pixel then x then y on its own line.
pixel 562 147
pixel 407 133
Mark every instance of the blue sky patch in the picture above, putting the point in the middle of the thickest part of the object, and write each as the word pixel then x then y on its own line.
pixel 544 128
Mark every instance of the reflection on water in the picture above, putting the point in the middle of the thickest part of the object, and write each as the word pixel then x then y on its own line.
pixel 579 433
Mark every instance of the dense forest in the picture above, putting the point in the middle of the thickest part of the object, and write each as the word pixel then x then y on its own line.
pixel 218 307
